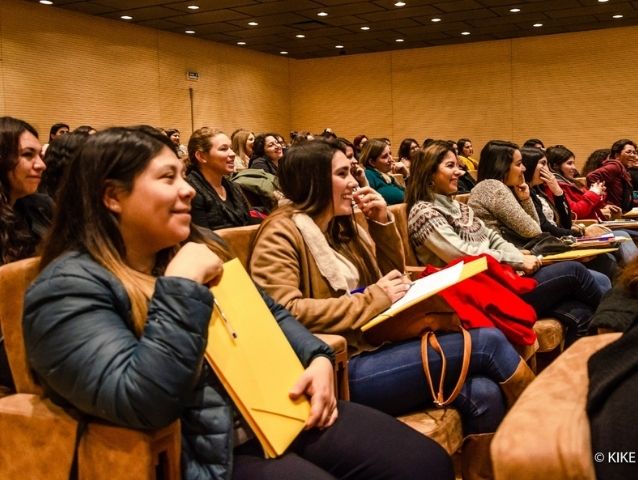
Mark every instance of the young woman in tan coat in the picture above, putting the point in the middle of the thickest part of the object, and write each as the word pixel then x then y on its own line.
pixel 311 257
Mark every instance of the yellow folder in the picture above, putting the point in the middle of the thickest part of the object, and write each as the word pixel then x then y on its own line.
pixel 426 287
pixel 254 361
pixel 575 254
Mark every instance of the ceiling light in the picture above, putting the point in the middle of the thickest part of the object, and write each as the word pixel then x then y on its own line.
pixel 365 28
pixel 322 14
pixel 603 1
pixel 193 7
pixel 126 17
pixel 399 4
pixel 283 52
pixel 537 25
pixel 253 24
pixel 190 32
pixel 399 40
pixel 46 2
pixel 300 35
pixel 515 10
pixel 338 46
pixel 436 19
pixel 241 43
pixel 465 33
pixel 617 16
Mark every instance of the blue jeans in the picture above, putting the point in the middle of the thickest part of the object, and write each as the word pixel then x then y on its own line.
pixel 627 250
pixel 570 292
pixel 392 380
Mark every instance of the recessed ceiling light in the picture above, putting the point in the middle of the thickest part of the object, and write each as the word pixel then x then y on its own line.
pixel 241 43
pixel 465 33
pixel 283 52
pixel 46 2
pixel 253 24
pixel 603 1
pixel 537 25
pixel 338 46
pixel 190 32
pixel 365 28
pixel 617 16
pixel 126 17
pixel 436 19
pixel 515 10
pixel 399 4
pixel 399 40
pixel 300 35
pixel 322 14
pixel 193 7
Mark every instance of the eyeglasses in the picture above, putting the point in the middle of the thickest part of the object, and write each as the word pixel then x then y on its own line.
pixel 273 145
pixel 631 153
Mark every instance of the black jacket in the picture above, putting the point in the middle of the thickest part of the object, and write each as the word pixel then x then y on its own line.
pixel 81 345
pixel 210 211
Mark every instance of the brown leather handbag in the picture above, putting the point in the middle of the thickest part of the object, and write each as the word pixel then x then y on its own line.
pixel 423 320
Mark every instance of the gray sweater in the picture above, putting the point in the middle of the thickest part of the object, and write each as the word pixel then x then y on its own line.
pixel 495 204
pixel 444 229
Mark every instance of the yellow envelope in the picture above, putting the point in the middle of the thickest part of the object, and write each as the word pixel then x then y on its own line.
pixel 575 254
pixel 254 361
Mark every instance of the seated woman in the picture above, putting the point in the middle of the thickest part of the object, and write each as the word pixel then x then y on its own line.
pixel 311 256
pixel 125 272
pixel 502 199
pixel 57 159
pixel 466 150
pixel 408 149
pixel 613 172
pixel 377 159
pixel 243 147
pixel 24 214
pixel 219 203
pixel 267 152
pixel 537 176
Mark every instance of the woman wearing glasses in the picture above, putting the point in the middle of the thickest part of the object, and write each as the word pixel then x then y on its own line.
pixel 613 172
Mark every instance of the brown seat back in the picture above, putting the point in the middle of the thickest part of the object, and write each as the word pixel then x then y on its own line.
pixel 401 220
pixel 15 277
pixel 240 240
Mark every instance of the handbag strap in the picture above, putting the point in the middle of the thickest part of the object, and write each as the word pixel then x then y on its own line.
pixel 429 338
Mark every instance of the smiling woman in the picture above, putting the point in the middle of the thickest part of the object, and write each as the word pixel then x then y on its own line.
pixel 377 158
pixel 219 203
pixel 24 215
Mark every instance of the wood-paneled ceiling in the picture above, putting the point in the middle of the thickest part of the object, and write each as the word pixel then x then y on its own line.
pixel 352 26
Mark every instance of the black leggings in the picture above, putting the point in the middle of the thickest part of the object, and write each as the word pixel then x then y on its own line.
pixel 362 444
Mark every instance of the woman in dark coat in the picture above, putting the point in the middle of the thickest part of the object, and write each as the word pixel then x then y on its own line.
pixel 116 324
pixel 24 214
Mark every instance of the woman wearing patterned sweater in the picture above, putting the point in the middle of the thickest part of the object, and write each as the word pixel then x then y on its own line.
pixel 442 229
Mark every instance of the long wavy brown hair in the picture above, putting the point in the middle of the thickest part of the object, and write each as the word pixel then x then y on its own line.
pixel 16 239
pixel 116 156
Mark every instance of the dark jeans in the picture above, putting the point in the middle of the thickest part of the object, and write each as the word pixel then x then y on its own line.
pixel 391 378
pixel 568 291
pixel 363 444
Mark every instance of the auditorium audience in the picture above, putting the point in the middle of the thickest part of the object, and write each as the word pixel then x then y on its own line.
pixel 219 203
pixel 312 257
pixel 116 325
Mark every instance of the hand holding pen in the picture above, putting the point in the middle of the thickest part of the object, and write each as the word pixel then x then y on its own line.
pixel 395 284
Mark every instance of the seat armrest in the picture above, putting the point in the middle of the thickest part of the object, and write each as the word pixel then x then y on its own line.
pixel 340 347
pixel 546 433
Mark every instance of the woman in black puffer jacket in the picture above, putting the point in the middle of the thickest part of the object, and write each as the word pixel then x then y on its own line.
pixel 116 325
